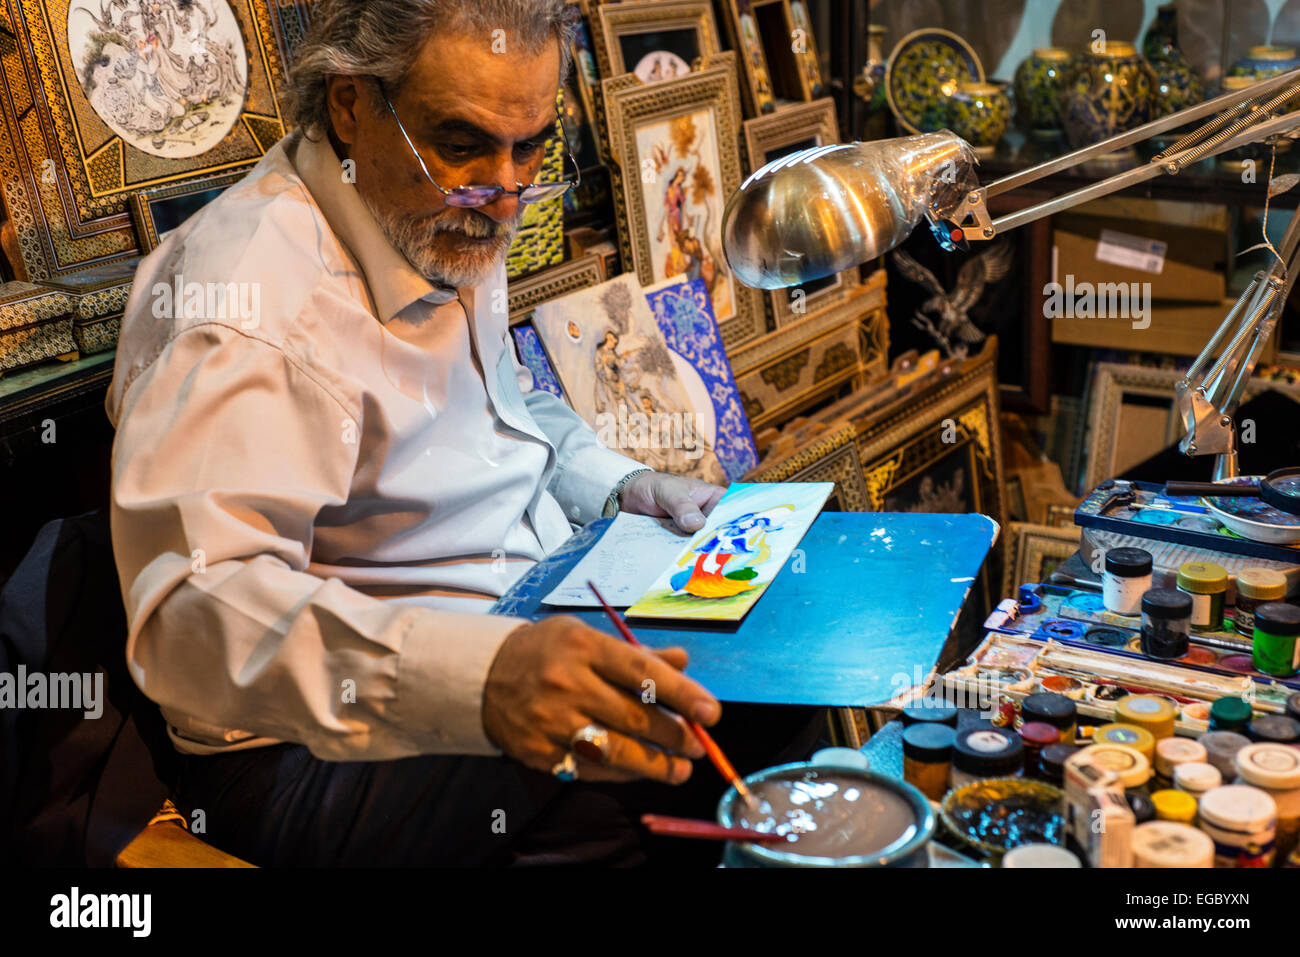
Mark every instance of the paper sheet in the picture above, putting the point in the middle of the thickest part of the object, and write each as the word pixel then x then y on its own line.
pixel 631 554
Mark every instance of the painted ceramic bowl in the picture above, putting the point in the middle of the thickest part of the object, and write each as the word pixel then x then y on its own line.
pixel 888 822
pixel 1253 518
pixel 993 815
pixel 1038 85
pixel 1262 62
pixel 979 113
pixel 925 68
pixel 1105 94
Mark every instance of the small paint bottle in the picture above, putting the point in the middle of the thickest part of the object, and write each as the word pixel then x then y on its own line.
pixel 1274 728
pixel 1171 752
pixel 930 710
pixel 1293 706
pixel 927 757
pixel 1054 709
pixel 1129 735
pixel 1166 618
pixel 1036 735
pixel 984 752
pixel 1196 778
pixel 1276 648
pixel 1230 714
pixel 1125 579
pixel 1275 768
pixel 1174 805
pixel 1051 763
pixel 1207 583
pixel 1131 765
pixel 1221 749
pixel 1255 587
pixel 1171 844
pixel 1039 856
pixel 1242 822
pixel 1152 712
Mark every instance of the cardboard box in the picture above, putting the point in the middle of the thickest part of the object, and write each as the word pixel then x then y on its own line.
pixel 1176 328
pixel 1183 260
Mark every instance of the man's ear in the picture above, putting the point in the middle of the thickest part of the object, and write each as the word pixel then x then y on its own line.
pixel 344 97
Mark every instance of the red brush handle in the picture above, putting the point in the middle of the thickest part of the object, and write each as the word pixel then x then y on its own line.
pixel 704 830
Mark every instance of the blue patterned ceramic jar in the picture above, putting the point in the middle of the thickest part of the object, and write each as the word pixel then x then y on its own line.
pixel 979 113
pixel 1178 86
pixel 1038 84
pixel 1262 62
pixel 1105 94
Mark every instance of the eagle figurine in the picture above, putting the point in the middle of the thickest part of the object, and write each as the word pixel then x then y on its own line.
pixel 954 331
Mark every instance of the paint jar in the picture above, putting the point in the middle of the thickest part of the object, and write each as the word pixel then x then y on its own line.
pixel 1125 578
pixel 1140 803
pixel 930 710
pixel 1255 587
pixel 1054 709
pixel 1171 844
pixel 1230 714
pixel 1171 752
pixel 984 752
pixel 1274 728
pixel 1293 706
pixel 1166 618
pixel 1036 735
pixel 1242 822
pixel 1039 855
pixel 1196 778
pixel 1276 648
pixel 842 757
pixel 1129 735
pixel 1174 805
pixel 1051 763
pixel 1207 583
pixel 1221 749
pixel 927 757
pixel 1131 765
pixel 1275 768
pixel 1149 711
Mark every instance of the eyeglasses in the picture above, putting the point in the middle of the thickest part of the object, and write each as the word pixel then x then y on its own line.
pixel 470 196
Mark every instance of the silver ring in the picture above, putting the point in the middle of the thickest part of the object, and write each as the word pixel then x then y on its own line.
pixel 591 741
pixel 567 768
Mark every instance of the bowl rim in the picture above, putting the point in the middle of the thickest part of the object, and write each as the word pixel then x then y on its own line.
pixel 945 810
pixel 899 849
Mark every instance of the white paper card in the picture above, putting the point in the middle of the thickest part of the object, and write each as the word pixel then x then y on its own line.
pixel 624 563
pixel 1135 252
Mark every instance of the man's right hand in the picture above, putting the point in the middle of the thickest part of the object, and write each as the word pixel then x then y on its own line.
pixel 555 676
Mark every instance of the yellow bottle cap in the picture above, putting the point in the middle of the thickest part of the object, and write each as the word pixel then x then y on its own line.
pixel 1152 712
pixel 1174 805
pixel 1130 736
pixel 1202 578
pixel 1131 765
pixel 1262 584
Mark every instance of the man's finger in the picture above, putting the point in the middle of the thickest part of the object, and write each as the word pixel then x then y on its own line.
pixel 683 510
pixel 628 667
pixel 677 657
pixel 715 494
pixel 638 717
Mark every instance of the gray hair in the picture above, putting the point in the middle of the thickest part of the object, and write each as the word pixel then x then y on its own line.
pixel 381 38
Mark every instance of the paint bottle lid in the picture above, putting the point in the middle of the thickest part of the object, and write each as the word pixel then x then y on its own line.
pixel 1149 711
pixel 1293 706
pixel 1131 765
pixel 1278 618
pixel 1196 778
pixel 1039 734
pixel 1230 714
pixel 1277 728
pixel 930 711
pixel 1128 562
pixel 1272 766
pixel 1238 807
pixel 1171 752
pixel 1051 761
pixel 1171 844
pixel 1174 805
pixel 930 742
pixel 1261 584
pixel 1221 749
pixel 1167 604
pixel 1202 578
pixel 988 752
pixel 1141 806
pixel 1051 708
pixel 1039 855
pixel 1129 735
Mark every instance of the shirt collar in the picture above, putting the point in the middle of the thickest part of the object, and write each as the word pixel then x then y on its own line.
pixel 393 282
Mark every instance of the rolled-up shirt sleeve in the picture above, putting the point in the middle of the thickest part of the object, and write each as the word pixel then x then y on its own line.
pixel 227 450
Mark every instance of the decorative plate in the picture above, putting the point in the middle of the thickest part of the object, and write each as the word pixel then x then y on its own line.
pixel 1254 519
pixel 923 71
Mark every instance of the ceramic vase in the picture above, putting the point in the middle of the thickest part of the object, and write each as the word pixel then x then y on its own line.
pixel 1263 62
pixel 1177 85
pixel 1106 93
pixel 1039 82
pixel 979 113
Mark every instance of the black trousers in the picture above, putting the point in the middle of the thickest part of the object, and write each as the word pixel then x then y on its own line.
pixel 282 807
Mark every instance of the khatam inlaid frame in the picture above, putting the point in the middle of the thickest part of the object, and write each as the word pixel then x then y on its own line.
pixel 143 203
pixel 793 124
pixel 614 21
pixel 72 214
pixel 628 104
pixel 528 292
pixel 1030 546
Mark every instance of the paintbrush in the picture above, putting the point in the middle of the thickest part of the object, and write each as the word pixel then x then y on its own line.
pixel 710 746
pixel 706 830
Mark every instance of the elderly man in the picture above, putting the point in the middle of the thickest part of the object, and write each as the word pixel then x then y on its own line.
pixel 320 485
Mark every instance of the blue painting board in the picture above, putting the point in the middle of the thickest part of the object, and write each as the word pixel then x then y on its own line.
pixel 859 612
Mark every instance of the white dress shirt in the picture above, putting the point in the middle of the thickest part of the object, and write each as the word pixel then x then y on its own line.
pixel 322 481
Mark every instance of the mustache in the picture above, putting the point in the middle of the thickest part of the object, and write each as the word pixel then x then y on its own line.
pixel 472 224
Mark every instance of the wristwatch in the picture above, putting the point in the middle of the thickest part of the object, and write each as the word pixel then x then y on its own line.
pixel 612 501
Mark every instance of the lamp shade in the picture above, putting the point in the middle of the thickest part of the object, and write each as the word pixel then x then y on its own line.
pixel 818 211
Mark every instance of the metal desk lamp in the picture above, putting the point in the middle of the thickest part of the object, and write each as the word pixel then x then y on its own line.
pixel 817 211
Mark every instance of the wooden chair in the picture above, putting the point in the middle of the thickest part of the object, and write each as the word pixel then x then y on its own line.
pixel 166 842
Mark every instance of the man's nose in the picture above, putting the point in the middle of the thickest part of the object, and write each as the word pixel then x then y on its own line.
pixel 506 206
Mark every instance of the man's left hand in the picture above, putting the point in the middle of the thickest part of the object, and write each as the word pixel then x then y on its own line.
pixel 685 500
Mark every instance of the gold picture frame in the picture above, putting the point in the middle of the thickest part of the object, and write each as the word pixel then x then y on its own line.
pixel 620 27
pixel 67 174
pixel 158 211
pixel 702 112
pixel 778 53
pixel 1034 551
pixel 528 292
pixel 769 137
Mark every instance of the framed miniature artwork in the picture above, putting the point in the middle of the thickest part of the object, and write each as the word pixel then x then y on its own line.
pixel 656 41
